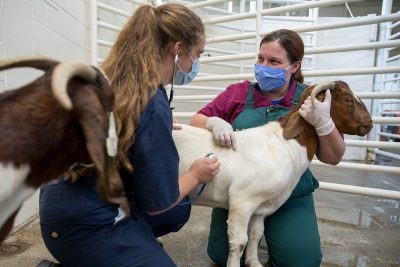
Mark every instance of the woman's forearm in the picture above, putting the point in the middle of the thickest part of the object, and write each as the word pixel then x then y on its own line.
pixel 199 120
pixel 331 148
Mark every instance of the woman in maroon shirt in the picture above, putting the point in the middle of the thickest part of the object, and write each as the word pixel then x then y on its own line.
pixel 291 232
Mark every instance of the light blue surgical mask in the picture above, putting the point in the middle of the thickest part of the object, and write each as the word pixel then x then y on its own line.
pixel 269 78
pixel 182 77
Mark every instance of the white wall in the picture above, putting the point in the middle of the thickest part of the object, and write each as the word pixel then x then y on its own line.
pixel 54 28
pixel 59 29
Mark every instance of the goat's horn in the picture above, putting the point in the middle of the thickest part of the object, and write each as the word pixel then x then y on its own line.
pixel 37 62
pixel 63 73
pixel 321 87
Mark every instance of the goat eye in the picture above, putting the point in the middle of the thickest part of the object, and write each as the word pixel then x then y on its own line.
pixel 348 100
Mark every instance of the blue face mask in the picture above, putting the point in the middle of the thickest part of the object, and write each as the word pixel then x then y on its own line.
pixel 182 77
pixel 269 78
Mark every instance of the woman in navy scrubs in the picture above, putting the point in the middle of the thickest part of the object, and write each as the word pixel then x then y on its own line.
pixel 157 46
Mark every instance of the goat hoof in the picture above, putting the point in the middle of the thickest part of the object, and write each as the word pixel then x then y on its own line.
pixel 47 263
pixel 254 263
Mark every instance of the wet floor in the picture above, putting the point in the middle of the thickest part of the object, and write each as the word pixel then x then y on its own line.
pixel 358 230
pixel 355 230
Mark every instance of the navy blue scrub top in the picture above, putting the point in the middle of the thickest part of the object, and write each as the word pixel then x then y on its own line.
pixel 153 185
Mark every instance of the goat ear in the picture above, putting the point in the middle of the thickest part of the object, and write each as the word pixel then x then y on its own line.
pixel 294 126
pixel 109 183
pixel 94 131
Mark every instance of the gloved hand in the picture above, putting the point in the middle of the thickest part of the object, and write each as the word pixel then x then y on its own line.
pixel 222 131
pixel 318 116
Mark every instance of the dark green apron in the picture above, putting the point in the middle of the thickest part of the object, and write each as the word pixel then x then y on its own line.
pixel 291 232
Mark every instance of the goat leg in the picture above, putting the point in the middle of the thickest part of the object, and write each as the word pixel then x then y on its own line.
pixel 256 229
pixel 6 228
pixel 238 222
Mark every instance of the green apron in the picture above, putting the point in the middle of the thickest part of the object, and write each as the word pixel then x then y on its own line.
pixel 300 200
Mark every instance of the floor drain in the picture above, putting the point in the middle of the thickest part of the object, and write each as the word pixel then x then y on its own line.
pixel 10 248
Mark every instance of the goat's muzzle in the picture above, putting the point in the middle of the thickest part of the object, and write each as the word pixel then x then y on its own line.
pixel 365 129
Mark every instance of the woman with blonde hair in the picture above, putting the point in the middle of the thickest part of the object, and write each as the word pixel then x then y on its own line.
pixel 158 46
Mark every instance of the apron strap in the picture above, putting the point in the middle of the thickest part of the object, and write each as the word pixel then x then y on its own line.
pixel 249 104
pixel 297 94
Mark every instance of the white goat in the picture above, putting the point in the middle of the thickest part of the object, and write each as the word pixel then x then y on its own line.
pixel 257 178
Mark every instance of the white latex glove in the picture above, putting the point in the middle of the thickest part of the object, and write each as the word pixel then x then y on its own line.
pixel 318 116
pixel 222 131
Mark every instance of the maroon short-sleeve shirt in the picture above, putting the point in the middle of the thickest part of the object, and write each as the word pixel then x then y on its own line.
pixel 228 104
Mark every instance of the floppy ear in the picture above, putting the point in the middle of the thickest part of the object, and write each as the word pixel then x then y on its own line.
pixel 109 183
pixel 94 130
pixel 92 120
pixel 294 126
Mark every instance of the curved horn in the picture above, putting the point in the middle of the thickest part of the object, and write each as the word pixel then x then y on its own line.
pixel 63 73
pixel 321 87
pixel 37 62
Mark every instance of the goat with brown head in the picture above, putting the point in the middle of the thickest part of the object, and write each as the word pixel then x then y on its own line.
pixel 49 125
pixel 259 177
pixel 344 105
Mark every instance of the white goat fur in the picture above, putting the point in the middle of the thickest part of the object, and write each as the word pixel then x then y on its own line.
pixel 254 181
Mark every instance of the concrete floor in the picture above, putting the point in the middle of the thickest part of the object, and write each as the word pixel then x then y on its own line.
pixel 355 230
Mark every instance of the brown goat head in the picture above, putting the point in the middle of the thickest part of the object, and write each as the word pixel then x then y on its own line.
pixel 348 112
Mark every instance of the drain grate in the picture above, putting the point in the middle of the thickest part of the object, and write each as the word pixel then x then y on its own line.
pixel 12 248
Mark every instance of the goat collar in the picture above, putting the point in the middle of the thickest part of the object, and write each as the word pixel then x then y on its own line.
pixel 112 139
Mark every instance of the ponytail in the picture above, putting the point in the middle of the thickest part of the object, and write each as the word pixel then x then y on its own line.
pixel 132 67
pixel 298 76
pixel 134 61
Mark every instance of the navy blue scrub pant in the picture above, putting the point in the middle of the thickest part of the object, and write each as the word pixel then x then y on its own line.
pixel 79 229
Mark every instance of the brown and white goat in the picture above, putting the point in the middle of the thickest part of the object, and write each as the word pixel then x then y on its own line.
pixel 50 124
pixel 257 178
